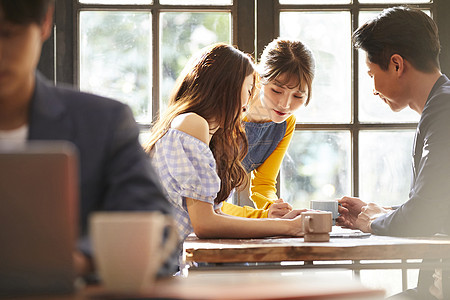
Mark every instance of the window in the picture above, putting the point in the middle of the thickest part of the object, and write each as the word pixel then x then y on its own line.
pixel 114 57
pixel 347 142
pixel 125 51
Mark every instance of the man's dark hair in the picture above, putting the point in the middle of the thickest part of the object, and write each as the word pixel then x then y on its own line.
pixel 402 30
pixel 24 12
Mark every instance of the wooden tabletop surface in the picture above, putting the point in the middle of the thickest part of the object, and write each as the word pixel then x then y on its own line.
pixel 233 285
pixel 295 249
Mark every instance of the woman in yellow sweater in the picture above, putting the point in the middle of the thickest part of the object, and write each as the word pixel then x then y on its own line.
pixel 286 73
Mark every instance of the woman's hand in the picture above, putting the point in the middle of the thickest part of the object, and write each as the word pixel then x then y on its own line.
pixel 294 213
pixel 279 209
pixel 208 223
pixel 297 224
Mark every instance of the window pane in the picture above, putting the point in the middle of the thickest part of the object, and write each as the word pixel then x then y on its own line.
pixel 117 1
pixel 385 168
pixel 183 34
pixel 328 35
pixel 371 107
pixel 115 57
pixel 196 2
pixel 316 167
pixel 314 1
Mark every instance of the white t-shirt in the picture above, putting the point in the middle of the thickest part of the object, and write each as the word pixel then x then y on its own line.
pixel 10 139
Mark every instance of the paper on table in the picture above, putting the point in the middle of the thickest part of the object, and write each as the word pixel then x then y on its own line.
pixel 340 232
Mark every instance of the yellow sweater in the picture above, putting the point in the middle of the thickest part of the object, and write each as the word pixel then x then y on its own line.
pixel 263 182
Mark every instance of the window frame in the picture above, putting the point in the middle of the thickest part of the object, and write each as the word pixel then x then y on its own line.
pixel 60 54
pixel 271 9
pixel 254 24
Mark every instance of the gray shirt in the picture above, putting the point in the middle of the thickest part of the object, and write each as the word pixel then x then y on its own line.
pixel 427 210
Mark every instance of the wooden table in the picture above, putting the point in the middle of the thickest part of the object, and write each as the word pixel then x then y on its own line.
pixel 373 252
pixel 233 285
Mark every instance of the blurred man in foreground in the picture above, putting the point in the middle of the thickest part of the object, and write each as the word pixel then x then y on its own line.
pixel 114 171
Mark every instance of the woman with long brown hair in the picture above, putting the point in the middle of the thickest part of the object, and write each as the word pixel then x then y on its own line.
pixel 197 145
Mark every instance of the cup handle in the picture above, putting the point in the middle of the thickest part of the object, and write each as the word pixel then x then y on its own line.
pixel 171 241
pixel 306 223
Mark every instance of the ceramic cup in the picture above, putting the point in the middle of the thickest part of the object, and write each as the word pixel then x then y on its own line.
pixel 317 225
pixel 129 248
pixel 326 205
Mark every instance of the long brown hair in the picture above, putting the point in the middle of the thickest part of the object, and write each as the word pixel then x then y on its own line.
pixel 290 57
pixel 210 86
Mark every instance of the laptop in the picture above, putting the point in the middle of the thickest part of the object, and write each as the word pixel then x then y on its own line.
pixel 38 217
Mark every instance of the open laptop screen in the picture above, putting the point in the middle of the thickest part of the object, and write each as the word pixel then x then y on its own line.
pixel 38 217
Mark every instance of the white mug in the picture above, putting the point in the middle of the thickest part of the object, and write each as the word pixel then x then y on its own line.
pixel 129 248
pixel 326 205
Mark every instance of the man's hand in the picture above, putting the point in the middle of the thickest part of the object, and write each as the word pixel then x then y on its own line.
pixel 83 265
pixel 349 210
pixel 369 213
pixel 279 209
pixel 357 214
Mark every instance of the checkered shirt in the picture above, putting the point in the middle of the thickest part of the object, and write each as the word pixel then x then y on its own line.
pixel 187 168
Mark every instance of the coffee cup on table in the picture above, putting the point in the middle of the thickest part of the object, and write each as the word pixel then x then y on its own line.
pixel 326 205
pixel 129 248
pixel 316 226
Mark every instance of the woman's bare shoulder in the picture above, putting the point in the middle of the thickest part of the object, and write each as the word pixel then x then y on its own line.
pixel 192 124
